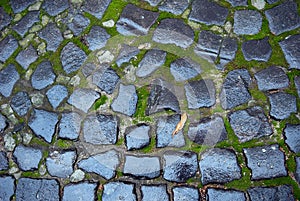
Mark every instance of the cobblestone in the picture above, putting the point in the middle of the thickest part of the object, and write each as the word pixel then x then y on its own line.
pixel 27 56
pixel 7 188
pixel 27 158
pixel 226 195
pixel 81 191
pixel 258 50
pixel 185 193
pixel 43 75
pixel 154 193
pixel 20 103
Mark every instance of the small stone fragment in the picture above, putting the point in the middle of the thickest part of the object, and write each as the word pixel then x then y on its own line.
pixel 77 175
pixel 108 23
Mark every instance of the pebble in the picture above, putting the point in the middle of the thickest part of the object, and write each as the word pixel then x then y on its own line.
pixel 109 23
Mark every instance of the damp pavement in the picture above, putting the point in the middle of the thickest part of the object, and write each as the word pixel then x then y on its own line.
pixel 91 92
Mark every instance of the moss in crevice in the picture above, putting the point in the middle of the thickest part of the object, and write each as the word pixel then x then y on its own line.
pixel 101 101
pixel 143 94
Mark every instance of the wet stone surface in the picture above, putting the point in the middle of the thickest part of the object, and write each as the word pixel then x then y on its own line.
pixel 26 22
pixel 282 105
pixel 97 38
pixel 200 93
pixel 61 164
pixel 37 189
pixel 208 131
pixel 179 166
pixel 81 191
pixel 155 193
pixel 43 75
pixel 265 162
pixel 103 164
pixel 271 78
pixel 292 137
pixel 219 166
pixel 184 69
pixel 83 99
pixel 137 137
pixel 56 95
pixel 176 7
pixel 20 103
pixel 52 35
pixel 118 191
pixel 247 22
pixel 250 123
pixel 225 195
pixel 258 50
pixel 54 7
pixel 3 161
pixel 174 31
pixel 8 45
pixel 185 193
pixel 272 193
pixel 7 188
pixel 291 49
pixel 27 56
pixel 69 125
pixel 27 158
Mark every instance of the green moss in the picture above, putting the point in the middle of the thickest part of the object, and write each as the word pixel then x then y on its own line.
pixel 120 141
pixel 101 101
pixel 31 174
pixel 38 142
pixel 6 6
pixel 143 94
pixel 64 144
pixel 150 147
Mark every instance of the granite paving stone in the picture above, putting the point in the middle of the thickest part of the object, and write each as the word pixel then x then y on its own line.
pixel 56 95
pixel 283 17
pixel 7 188
pixel 43 75
pixel 127 52
pixel 179 166
pixel 144 167
pixel 208 12
pixel 185 193
pixel 184 69
pixel 271 78
pixel 21 103
pixel 161 98
pixel 297 173
pixel 137 137
pixel 52 35
pixel 238 2
pixel 228 49
pixel 258 50
pixel 135 21
pixel 3 161
pixel 100 129
pixel 154 193
pixel 200 93
pixel 119 191
pixel 69 125
pixel 20 5
pixel 78 24
pixel 7 47
pixel 55 7
pixel 219 166
pixel 3 123
pixel 292 137
pixel 103 164
pixel 43 123
pixel 22 26
pixel 250 124
pixel 265 162
pixel 247 22
pixel 106 79
pixel 234 91
pixel 96 7
pixel 4 18
pixel 280 193
pixel 8 78
pixel 60 164
pixel 214 194
pixel 72 57
pixel 27 57
pixel 80 192
pixel 209 131
pixel 126 100
pixel 83 98
pixel 291 50
pixel 37 189
pixel 27 158
pixel 97 38
pixel 164 129
pixel 89 68
pixel 151 61
pixel 282 105
pixel 176 7
pixel 297 84
pixel 174 31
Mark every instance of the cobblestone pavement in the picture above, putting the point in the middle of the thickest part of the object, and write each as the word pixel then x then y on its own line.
pixel 91 93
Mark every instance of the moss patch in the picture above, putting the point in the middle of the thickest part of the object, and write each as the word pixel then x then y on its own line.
pixel 101 101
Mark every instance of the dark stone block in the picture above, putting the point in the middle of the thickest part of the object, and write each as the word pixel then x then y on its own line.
pixel 137 137
pixel 3 162
pixel 72 58
pixel 56 95
pixel 219 166
pixel 283 17
pixel 165 127
pixel 27 56
pixel 208 12
pixel 245 25
pixel 186 193
pixel 4 18
pixel 271 78
pixel 52 35
pixel 7 47
pixel 61 164
pixel 37 189
pixel 43 76
pixel 27 158
pixel 291 49
pixel 82 191
pixel 259 50
pixel 69 125
pixel 106 79
pixel 83 98
pixel 250 124
pixel 201 93
pixel 179 166
pixel 135 21
pixel 225 195
pixel 78 24
pixel 20 5
pixel 292 137
pixel 155 193
pixel 22 26
pixel 103 164
pixel 228 48
pixel 174 31
pixel 96 7
pixel 265 162
pixel 280 193
pixel 282 105
pixel 8 78
pixel 118 191
pixel 208 131
pixel 100 129
pixel 174 6
pixel 7 188
pixel 97 38
pixel 184 69
pixel 43 123
pixel 20 103
pixel 54 7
